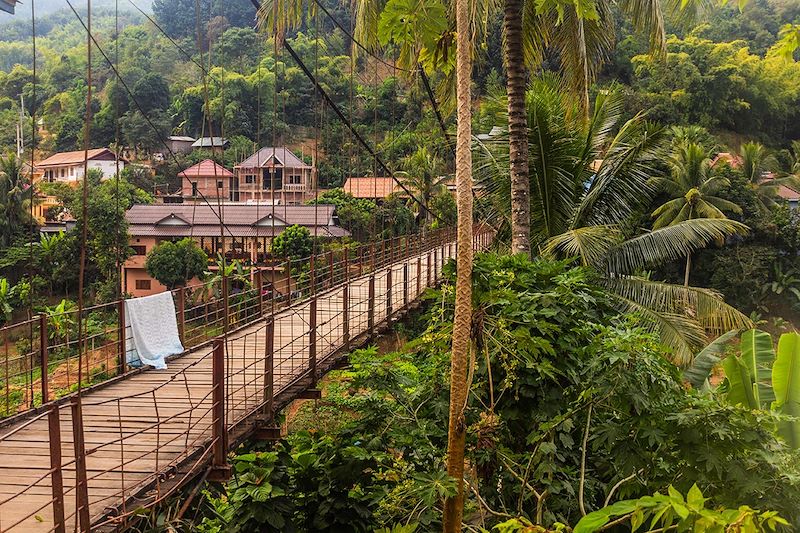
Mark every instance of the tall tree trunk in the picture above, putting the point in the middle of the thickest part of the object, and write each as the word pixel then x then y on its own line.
pixel 688 269
pixel 454 506
pixel 517 128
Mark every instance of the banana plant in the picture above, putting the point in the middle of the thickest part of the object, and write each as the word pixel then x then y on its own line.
pixel 761 378
pixel 749 374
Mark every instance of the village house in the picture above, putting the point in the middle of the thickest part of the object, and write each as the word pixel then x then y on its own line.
pixel 249 230
pixel 275 175
pixel 376 188
pixel 207 179
pixel 180 144
pixel 215 144
pixel 68 167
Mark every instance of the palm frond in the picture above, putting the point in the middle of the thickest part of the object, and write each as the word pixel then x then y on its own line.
pixel 700 310
pixel 623 182
pixel 670 243
pixel 590 244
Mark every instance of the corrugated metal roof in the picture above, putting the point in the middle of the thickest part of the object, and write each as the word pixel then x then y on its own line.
pixel 371 187
pixel 182 138
pixel 206 169
pixel 241 220
pixel 72 158
pixel 7 6
pixel 235 231
pixel 209 142
pixel 284 157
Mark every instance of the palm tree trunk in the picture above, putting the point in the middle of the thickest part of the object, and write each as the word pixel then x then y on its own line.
pixel 454 506
pixel 517 128
pixel 688 269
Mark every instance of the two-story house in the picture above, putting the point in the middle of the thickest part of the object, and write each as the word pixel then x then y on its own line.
pixel 273 174
pixel 69 166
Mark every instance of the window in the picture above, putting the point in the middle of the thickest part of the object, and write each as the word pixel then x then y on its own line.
pixel 143 284
pixel 219 185
pixel 139 250
pixel 295 179
pixel 63 172
pixel 194 188
pixel 249 178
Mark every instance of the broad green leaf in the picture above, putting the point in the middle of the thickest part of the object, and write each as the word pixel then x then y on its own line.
pixel 592 521
pixel 758 355
pixel 740 382
pixel 786 384
pixel 697 374
pixel 695 498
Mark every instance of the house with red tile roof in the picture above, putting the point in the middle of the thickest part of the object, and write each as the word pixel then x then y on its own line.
pixel 207 179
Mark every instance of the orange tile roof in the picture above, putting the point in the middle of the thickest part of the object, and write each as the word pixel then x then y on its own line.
pixel 73 158
pixel 206 169
pixel 787 193
pixel 732 159
pixel 371 187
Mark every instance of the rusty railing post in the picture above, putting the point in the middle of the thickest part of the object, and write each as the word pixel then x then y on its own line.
pixel 371 305
pixel 258 281
pixel 346 266
pixel 331 280
pixel 312 341
pixel 81 480
pixel 288 282
pixel 389 296
pixel 405 285
pixel 43 357
pixel 226 303
pixel 220 470
pixel 346 316
pixel 419 276
pixel 269 375
pixel 122 352
pixel 428 269
pixel 56 477
pixel 182 315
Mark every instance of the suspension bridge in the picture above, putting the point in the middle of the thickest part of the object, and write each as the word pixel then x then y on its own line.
pixel 92 460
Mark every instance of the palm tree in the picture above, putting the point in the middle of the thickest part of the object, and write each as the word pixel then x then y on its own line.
pixel 462 320
pixel 16 193
pixel 585 210
pixel 758 167
pixel 422 175
pixel 693 186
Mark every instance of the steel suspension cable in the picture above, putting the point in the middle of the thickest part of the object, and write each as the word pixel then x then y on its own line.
pixel 137 104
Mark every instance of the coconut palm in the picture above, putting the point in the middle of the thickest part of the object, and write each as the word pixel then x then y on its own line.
pixel 693 186
pixel 588 182
pixel 758 166
pixel 462 319
pixel 423 176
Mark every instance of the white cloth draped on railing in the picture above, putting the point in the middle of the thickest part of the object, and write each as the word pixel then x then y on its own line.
pixel 151 324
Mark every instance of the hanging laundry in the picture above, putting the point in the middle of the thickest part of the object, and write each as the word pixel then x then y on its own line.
pixel 152 328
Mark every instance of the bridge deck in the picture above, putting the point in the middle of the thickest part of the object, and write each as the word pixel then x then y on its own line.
pixel 144 431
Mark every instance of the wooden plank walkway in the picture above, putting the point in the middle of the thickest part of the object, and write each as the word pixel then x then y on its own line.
pixel 143 432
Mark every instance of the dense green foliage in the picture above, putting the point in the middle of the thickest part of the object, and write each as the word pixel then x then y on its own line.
pixel 550 354
pixel 295 242
pixel 175 263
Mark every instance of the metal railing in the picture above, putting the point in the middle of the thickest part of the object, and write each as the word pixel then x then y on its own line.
pixel 39 357
pixel 93 462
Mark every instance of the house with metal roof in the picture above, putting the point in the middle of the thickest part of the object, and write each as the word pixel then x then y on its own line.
pixel 246 235
pixel 8 5
pixel 274 174
pixel 69 166
pixel 215 144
